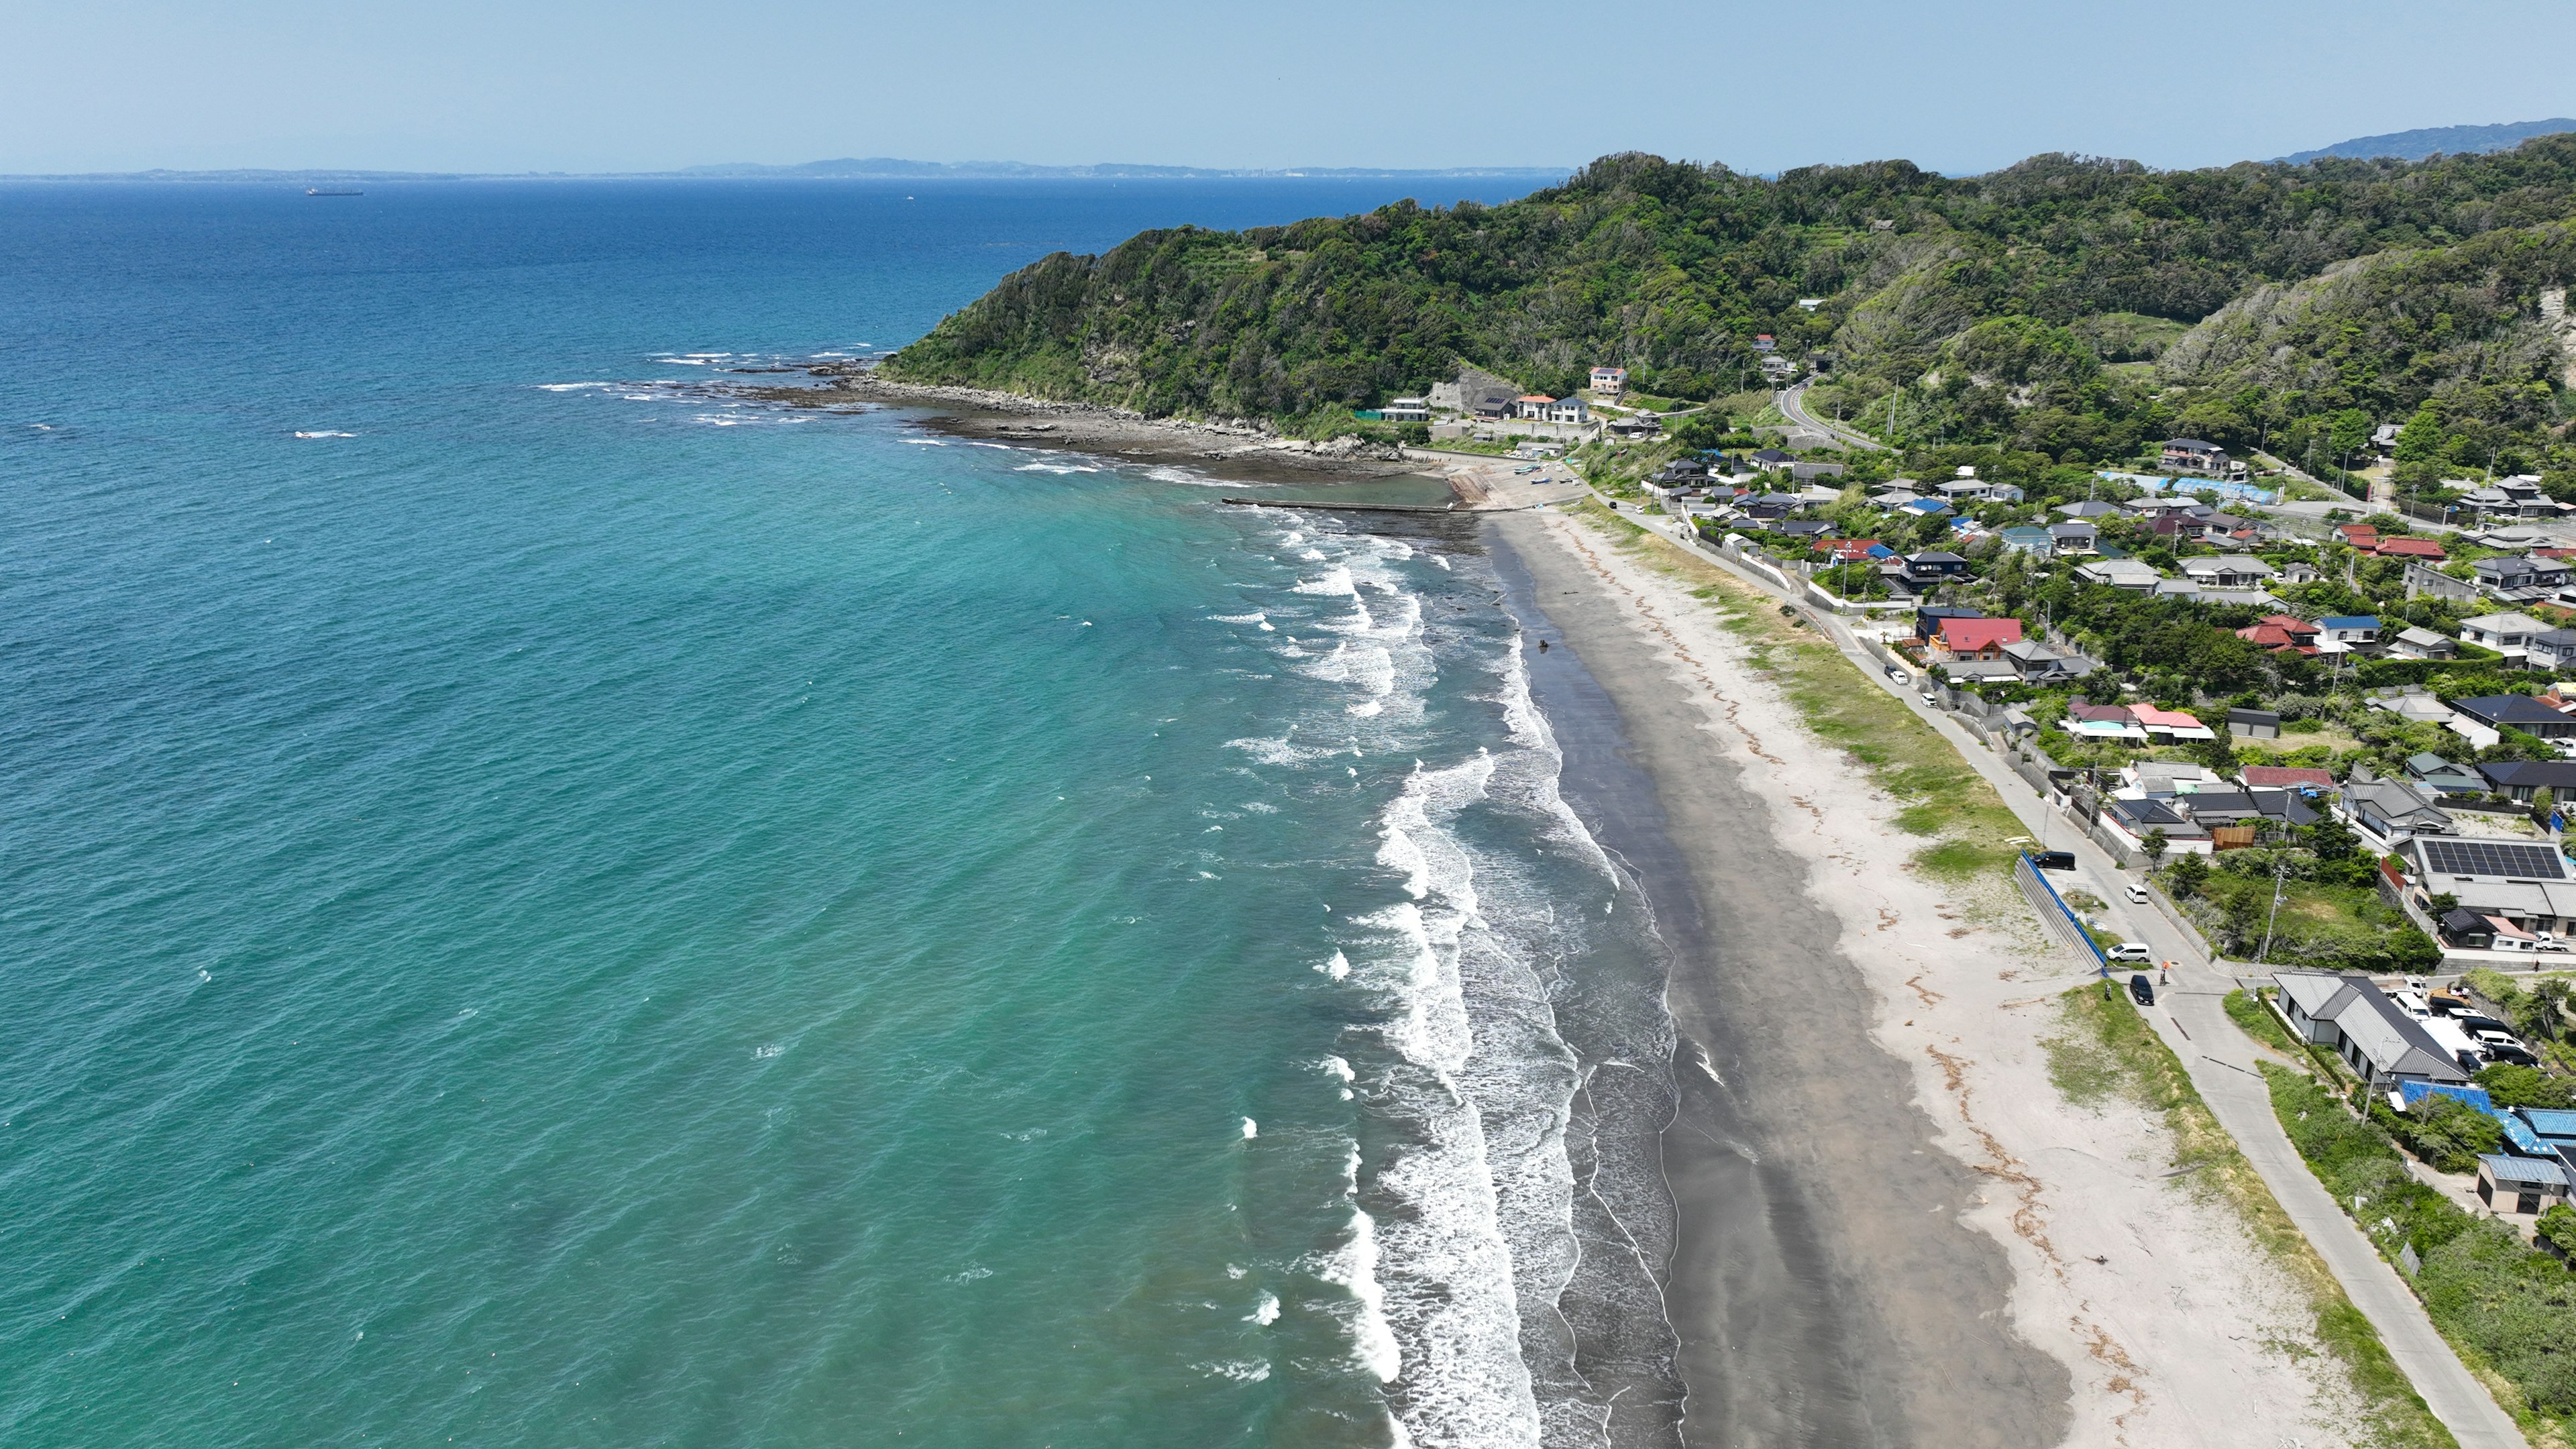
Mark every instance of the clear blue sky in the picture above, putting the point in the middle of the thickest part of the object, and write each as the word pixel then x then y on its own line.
pixel 584 85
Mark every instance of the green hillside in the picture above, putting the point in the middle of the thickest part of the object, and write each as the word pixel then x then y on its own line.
pixel 2019 307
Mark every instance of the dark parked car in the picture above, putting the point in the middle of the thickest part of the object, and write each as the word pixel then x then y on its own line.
pixel 2511 1055
pixel 2475 1024
pixel 2053 859
pixel 2141 990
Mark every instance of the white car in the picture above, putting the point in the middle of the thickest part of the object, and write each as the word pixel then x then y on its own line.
pixel 2130 951
pixel 2137 893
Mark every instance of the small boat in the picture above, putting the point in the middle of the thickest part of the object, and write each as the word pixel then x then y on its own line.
pixel 318 191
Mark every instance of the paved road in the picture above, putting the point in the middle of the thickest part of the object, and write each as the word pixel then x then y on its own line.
pixel 2190 1016
pixel 1793 406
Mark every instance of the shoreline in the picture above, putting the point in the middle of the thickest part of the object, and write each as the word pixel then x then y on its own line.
pixel 1111 431
pixel 1892 1228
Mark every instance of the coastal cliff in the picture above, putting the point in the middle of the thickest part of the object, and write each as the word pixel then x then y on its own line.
pixel 2003 305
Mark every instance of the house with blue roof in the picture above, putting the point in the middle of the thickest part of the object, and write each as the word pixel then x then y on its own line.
pixel 1924 508
pixel 2352 631
pixel 2024 538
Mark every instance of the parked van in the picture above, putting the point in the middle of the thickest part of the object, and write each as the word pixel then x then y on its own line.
pixel 2053 859
pixel 2141 990
pixel 2130 951
pixel 2137 893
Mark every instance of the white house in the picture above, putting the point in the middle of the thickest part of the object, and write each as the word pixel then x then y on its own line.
pixel 1568 410
pixel 1407 410
pixel 1609 381
pixel 2508 634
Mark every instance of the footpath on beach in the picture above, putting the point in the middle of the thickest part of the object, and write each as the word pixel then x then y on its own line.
pixel 2220 1058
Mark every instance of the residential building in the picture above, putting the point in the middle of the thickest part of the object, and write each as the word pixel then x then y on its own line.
pixel 2254 724
pixel 1927 620
pixel 2102 722
pixel 2442 777
pixel 2551 649
pixel 2037 542
pixel 1762 342
pixel 2071 540
pixel 2191 455
pixel 2523 779
pixel 2352 631
pixel 2135 820
pixel 2226 571
pixel 2406 548
pixel 2306 779
pixel 1532 405
pixel 2119 573
pixel 2278 633
pixel 2164 726
pixel 2295 573
pixel 1979 639
pixel 2508 634
pixel 1609 382
pixel 1569 410
pixel 1407 410
pixel 2523 575
pixel 1925 508
pixel 2391 812
pixel 2517 711
pixel 2035 662
pixel 2357 534
pixel 2414 643
pixel 2164 779
pixel 2523 882
pixel 2354 1019
pixel 2523 1185
pixel 2089 509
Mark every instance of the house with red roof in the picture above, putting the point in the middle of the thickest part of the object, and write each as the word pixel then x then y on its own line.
pixel 1981 639
pixel 2280 634
pixel 1853 550
pixel 2357 533
pixel 2172 724
pixel 2423 548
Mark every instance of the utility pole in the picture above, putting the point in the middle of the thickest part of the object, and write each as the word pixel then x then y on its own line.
pixel 2280 872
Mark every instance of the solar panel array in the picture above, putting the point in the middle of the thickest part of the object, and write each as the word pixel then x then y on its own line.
pixel 2492 857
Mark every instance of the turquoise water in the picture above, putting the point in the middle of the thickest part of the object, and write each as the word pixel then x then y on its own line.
pixel 550 905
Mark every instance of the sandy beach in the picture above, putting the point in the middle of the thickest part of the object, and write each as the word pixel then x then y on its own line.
pixel 1892 1227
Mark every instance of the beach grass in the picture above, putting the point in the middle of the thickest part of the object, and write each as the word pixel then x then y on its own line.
pixel 2105 1052
pixel 1967 825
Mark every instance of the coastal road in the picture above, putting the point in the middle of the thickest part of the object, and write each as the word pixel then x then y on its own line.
pixel 1793 406
pixel 2190 1016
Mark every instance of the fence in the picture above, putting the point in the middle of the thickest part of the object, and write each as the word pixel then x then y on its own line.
pixel 2056 916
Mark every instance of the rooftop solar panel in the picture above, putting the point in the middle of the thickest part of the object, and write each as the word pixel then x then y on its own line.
pixel 2493 857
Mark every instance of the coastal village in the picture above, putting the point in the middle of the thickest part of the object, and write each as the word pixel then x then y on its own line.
pixel 2327 735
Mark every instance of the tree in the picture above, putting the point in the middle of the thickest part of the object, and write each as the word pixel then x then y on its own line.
pixel 2348 430
pixel 2513 1086
pixel 2332 840
pixel 2544 804
pixel 2420 441
pixel 2154 845
pixel 2544 1011
pixel 2189 873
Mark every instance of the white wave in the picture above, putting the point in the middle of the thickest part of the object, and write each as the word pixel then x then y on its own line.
pixel 1260 807
pixel 1169 474
pixel 1353 1266
pixel 1255 617
pixel 1338 968
pixel 1369 709
pixel 1337 1067
pixel 765 1052
pixel 1005 447
pixel 1277 752
pixel 324 435
pixel 1264 1312
pixel 1053 468
pixel 927 442
pixel 570 386
pixel 1251 1129
pixel 1242 1371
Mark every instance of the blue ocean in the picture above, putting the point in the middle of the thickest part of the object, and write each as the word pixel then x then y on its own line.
pixel 552 904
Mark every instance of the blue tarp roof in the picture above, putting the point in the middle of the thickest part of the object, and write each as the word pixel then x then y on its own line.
pixel 2549 1121
pixel 2349 621
pixel 2516 1131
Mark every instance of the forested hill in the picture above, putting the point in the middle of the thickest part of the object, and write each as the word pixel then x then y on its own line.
pixel 1671 269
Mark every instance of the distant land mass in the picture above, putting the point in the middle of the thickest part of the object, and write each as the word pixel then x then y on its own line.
pixel 2437 140
pixel 847 169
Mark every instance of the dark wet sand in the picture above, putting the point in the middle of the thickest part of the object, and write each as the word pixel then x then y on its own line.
pixel 1823 1288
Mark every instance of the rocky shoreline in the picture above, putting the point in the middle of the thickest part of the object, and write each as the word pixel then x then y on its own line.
pixel 1002 416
